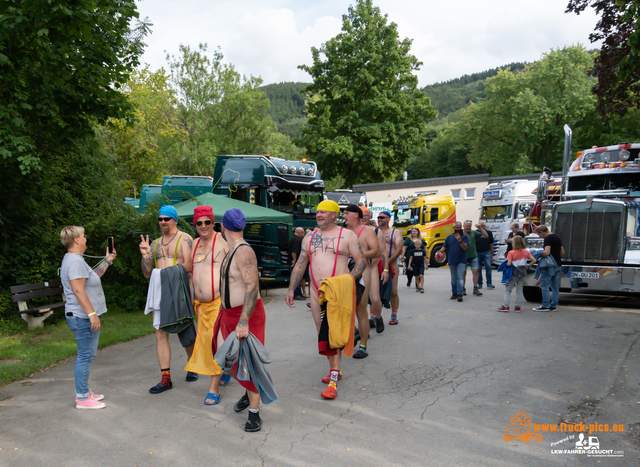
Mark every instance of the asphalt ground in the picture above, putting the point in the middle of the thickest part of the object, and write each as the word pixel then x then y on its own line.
pixel 438 389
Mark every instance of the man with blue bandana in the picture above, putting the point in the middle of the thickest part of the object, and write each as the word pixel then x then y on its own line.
pixel 174 247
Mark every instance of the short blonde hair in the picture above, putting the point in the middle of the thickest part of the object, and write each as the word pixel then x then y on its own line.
pixel 69 234
pixel 515 224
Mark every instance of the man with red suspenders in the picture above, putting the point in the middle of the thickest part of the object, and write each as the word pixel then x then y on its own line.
pixel 327 251
pixel 207 254
pixel 371 248
pixel 375 317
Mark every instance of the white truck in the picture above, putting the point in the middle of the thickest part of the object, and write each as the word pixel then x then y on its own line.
pixel 598 222
pixel 502 204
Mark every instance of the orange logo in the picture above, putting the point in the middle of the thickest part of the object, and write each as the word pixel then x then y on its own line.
pixel 520 428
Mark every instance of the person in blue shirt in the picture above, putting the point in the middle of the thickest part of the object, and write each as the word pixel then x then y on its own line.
pixel 456 245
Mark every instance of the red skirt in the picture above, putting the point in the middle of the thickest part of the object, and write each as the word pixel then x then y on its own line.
pixel 381 268
pixel 226 324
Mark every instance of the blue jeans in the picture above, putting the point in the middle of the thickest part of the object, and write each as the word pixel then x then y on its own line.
pixel 484 257
pixel 550 277
pixel 457 277
pixel 87 341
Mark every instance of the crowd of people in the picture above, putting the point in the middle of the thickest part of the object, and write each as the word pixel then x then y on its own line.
pixel 214 281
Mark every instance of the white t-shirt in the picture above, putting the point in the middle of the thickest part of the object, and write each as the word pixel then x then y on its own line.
pixel 74 267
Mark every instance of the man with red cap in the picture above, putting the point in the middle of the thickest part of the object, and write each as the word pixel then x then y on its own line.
pixel 206 256
pixel 242 308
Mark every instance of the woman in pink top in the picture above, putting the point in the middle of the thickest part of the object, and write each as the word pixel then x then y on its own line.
pixel 518 258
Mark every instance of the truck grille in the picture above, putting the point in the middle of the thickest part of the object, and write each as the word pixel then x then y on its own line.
pixel 590 234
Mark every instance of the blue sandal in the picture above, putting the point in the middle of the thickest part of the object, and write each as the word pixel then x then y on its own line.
pixel 212 396
pixel 224 379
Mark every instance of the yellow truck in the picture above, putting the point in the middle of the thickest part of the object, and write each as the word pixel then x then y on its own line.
pixel 433 215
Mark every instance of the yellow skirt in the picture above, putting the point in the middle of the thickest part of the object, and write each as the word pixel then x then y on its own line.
pixel 202 361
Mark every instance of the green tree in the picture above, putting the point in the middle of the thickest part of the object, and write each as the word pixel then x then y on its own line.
pixel 365 110
pixel 219 111
pixel 617 66
pixel 144 147
pixel 61 64
pixel 518 127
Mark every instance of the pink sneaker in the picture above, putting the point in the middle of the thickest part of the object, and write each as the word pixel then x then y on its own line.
pixel 95 397
pixel 90 404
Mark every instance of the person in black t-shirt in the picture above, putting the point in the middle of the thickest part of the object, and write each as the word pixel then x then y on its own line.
pixel 550 277
pixel 515 230
pixel 417 264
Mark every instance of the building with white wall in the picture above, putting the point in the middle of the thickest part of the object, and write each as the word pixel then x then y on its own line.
pixel 466 190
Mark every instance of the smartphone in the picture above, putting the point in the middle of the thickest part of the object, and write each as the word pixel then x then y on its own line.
pixel 110 243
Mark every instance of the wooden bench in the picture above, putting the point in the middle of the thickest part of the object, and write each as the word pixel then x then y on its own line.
pixel 35 316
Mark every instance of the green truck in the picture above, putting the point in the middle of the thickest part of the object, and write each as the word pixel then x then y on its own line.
pixel 294 187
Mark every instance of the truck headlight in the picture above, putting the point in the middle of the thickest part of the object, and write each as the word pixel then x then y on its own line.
pixel 268 258
pixel 633 244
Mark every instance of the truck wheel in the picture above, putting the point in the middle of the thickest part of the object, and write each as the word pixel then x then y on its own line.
pixel 433 262
pixel 532 294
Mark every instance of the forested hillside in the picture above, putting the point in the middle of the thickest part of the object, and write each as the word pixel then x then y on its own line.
pixel 287 107
pixel 458 93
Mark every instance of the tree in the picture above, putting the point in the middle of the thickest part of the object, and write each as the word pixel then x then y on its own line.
pixel 518 128
pixel 617 66
pixel 61 64
pixel 365 111
pixel 144 147
pixel 219 111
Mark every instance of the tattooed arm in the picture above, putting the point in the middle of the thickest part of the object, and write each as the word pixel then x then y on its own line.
pixel 248 265
pixel 298 269
pixel 355 251
pixel 397 247
pixel 185 252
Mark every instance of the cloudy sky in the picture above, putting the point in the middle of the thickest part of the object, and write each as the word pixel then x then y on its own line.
pixel 270 38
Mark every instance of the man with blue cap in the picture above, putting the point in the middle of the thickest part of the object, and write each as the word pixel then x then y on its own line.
pixel 174 247
pixel 242 310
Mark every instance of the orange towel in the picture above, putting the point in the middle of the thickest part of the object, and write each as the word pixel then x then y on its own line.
pixel 340 294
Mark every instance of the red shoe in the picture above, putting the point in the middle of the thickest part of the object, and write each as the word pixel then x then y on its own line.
pixel 327 379
pixel 331 392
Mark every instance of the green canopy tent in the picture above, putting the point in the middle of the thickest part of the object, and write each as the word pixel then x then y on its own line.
pixel 255 214
pixel 268 231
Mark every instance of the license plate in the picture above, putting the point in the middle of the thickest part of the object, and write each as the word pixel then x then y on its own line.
pixel 585 275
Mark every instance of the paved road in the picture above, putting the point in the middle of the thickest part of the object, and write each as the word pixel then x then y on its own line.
pixel 438 389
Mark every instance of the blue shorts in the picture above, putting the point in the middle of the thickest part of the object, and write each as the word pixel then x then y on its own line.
pixel 418 270
pixel 473 262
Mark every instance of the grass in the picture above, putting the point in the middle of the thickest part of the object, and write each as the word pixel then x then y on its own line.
pixel 33 350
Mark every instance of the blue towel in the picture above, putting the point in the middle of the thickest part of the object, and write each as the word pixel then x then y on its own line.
pixel 507 271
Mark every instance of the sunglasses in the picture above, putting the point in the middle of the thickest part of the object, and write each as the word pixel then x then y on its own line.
pixel 164 219
pixel 199 223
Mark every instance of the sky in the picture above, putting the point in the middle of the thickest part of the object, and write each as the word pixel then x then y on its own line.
pixel 270 38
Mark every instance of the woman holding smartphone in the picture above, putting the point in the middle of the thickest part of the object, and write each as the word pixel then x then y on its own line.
pixel 85 303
